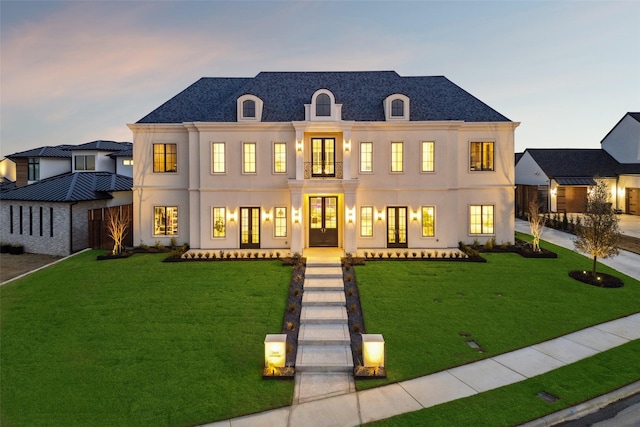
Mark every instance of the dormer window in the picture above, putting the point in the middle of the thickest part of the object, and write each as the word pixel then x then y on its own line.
pixel 396 107
pixel 323 105
pixel 249 108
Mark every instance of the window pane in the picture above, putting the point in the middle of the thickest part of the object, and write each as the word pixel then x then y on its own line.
pixel 249 157
pixel 396 157
pixel 79 163
pixel 487 219
pixel 159 220
pixel 427 156
pixel 171 157
pixel 481 219
pixel 218 157
pixel 248 108
pixel 366 157
pixel 280 222
pixel 280 157
pixel 91 163
pixel 397 108
pixel 366 221
pixel 487 156
pixel 323 105
pixel 481 156
pixel 158 158
pixel 219 222
pixel 165 220
pixel 428 221
pixel 164 158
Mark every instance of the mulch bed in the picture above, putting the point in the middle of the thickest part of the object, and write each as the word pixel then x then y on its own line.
pixel 601 280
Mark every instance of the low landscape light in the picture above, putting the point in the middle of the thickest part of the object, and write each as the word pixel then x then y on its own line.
pixel 275 350
pixel 373 350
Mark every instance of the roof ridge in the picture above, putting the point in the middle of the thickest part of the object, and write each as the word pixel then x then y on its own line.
pixel 72 184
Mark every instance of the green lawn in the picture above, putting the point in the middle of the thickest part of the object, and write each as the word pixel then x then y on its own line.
pixel 422 308
pixel 139 342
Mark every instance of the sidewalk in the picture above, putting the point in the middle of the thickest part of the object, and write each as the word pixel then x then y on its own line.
pixel 355 408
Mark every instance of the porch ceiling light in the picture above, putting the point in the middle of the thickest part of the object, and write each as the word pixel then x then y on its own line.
pixel 275 350
pixel 373 350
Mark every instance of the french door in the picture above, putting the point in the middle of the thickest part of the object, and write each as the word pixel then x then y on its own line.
pixel 323 157
pixel 396 227
pixel 249 228
pixel 323 221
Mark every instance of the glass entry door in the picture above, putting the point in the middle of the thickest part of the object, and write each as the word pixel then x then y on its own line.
pixel 249 228
pixel 323 152
pixel 323 221
pixel 396 227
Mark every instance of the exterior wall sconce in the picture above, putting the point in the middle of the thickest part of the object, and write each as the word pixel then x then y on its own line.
pixel 296 216
pixel 373 350
pixel 347 145
pixel 554 191
pixel 275 351
pixel 232 216
pixel 621 192
pixel 299 146
pixel 351 214
pixel 266 216
pixel 414 216
pixel 380 216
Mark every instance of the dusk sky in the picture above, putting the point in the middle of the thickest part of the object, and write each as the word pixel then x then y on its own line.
pixel 78 71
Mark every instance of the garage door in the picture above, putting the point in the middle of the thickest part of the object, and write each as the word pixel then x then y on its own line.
pixel 632 199
pixel 572 199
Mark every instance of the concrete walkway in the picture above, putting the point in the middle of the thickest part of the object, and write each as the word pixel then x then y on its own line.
pixel 354 408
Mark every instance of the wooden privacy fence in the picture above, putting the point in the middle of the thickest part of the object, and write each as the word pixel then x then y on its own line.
pixel 98 231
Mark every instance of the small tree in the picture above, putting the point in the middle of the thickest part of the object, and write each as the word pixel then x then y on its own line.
pixel 599 233
pixel 117 224
pixel 536 224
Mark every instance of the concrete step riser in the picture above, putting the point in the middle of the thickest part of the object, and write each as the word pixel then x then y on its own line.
pixel 324 265
pixel 324 369
pixel 323 342
pixel 322 288
pixel 312 321
pixel 323 276
pixel 323 304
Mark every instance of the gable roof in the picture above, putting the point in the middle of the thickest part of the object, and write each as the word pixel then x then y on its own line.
pixel 577 163
pixel 635 116
pixel 71 187
pixel 361 93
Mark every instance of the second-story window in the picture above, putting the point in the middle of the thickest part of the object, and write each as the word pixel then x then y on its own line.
pixel 34 169
pixel 249 157
pixel 481 156
pixel 165 158
pixel 217 158
pixel 280 157
pixel 323 156
pixel 366 157
pixel 323 105
pixel 427 156
pixel 85 163
pixel 396 157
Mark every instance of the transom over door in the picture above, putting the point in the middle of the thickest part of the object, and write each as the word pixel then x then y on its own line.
pixel 396 227
pixel 323 221
pixel 249 228
pixel 323 153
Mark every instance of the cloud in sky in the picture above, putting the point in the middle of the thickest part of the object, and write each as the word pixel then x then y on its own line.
pixel 72 71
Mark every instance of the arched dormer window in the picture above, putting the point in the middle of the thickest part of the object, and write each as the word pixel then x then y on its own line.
pixel 249 108
pixel 323 107
pixel 396 107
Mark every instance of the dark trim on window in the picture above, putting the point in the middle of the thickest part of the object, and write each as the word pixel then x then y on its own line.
pixel 10 219
pixel 30 220
pixel 41 216
pixel 323 105
pixel 20 219
pixel 51 222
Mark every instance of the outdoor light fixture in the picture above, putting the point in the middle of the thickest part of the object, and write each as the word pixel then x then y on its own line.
pixel 275 351
pixel 299 145
pixel 373 350
pixel 380 216
pixel 296 216
pixel 232 216
pixel 414 216
pixel 266 216
pixel 347 145
pixel 350 215
pixel 554 191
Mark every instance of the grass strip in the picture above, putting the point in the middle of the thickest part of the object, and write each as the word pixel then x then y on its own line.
pixel 138 342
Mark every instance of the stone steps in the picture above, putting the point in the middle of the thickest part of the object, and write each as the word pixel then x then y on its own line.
pixel 324 359
pixel 311 315
pixel 322 284
pixel 323 298
pixel 324 335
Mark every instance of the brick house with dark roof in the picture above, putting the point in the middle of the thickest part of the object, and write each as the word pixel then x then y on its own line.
pixel 51 206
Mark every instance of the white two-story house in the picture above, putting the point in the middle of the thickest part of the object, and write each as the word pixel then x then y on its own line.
pixel 354 160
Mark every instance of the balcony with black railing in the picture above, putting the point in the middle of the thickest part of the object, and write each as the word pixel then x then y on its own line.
pixel 319 170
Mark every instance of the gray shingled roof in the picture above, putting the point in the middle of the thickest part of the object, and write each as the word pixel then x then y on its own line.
pixel 47 151
pixel 577 163
pixel 102 146
pixel 71 187
pixel 122 153
pixel 361 94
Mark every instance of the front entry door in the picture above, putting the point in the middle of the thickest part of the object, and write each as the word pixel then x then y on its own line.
pixel 249 228
pixel 396 227
pixel 323 221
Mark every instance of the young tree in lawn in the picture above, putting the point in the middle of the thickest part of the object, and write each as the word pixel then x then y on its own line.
pixel 117 223
pixel 536 224
pixel 599 233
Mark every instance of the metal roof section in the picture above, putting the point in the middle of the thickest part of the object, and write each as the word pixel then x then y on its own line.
pixel 122 153
pixel 361 93
pixel 576 181
pixel 46 151
pixel 71 187
pixel 101 145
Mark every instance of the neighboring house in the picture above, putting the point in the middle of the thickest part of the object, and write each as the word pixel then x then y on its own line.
pixel 291 160
pixel 560 178
pixel 56 193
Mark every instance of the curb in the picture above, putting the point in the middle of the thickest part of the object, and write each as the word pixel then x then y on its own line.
pixel 585 408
